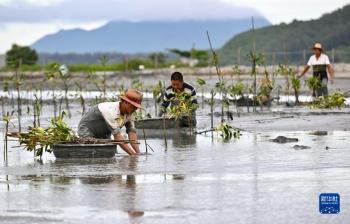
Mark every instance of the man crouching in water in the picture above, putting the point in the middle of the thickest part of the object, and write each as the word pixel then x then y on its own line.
pixel 106 119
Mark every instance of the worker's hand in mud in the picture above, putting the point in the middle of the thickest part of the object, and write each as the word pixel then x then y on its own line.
pixel 299 76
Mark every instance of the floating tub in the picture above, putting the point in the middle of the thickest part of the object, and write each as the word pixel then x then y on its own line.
pixel 158 123
pixel 84 150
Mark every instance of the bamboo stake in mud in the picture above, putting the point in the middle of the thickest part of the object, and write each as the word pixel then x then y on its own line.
pixel 223 99
pixel 34 115
pixel 19 103
pixel 212 109
pixel 37 109
pixel 165 134
pixel 66 98
pixel 54 103
pixel 155 106
pixel 218 71
pixel 237 107
pixel 6 119
pixel 12 101
pixel 164 128
pixel 215 59
pixel 54 99
pixel 144 137
pixel 60 106
pixel 254 65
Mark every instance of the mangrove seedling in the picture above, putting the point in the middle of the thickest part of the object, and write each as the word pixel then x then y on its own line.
pixel 227 132
pixel 137 84
pixel 265 89
pixel 65 76
pixel 51 74
pixel 255 59
pixel 236 70
pixel 16 64
pixel 222 89
pixel 157 96
pixel 313 83
pixel 81 97
pixel 296 84
pixel 291 80
pixel 7 119
pixel 37 108
pixel 235 90
pixel 334 100
pixel 104 61
pixel 201 83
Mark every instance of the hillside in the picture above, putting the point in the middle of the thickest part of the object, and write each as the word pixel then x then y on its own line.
pixel 144 37
pixel 332 30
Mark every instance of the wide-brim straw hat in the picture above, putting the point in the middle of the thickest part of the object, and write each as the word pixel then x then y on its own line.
pixel 133 97
pixel 317 46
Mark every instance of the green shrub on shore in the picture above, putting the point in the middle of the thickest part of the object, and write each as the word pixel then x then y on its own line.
pixel 132 65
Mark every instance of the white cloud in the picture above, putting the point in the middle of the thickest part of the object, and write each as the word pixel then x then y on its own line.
pixel 31 2
pixel 24 21
pixel 36 18
pixel 131 10
pixel 5 2
pixel 44 2
pixel 277 11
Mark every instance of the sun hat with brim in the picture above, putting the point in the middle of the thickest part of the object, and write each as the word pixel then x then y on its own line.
pixel 317 46
pixel 133 97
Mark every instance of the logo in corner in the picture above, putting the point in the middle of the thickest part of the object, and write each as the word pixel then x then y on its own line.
pixel 329 203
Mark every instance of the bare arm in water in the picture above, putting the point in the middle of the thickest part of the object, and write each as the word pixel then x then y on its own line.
pixel 133 138
pixel 124 146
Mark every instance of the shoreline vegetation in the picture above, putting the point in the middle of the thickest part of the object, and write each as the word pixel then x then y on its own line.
pixel 342 70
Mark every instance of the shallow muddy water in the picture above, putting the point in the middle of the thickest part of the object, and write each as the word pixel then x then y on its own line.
pixel 197 179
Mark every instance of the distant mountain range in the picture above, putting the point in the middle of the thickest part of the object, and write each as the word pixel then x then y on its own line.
pixel 290 41
pixel 145 37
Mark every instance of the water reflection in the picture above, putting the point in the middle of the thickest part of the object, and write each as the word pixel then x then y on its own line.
pixel 121 183
pixel 184 140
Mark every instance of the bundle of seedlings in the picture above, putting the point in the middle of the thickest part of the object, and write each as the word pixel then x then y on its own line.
pixel 40 139
pixel 334 100
pixel 182 106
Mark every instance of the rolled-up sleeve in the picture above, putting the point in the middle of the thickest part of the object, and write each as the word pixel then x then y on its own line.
pixel 115 131
pixel 130 126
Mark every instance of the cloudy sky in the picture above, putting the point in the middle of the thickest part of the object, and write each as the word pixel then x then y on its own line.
pixel 25 21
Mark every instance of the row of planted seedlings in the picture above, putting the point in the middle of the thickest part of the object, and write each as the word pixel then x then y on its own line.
pixel 59 74
pixel 229 91
pixel 258 93
pixel 56 83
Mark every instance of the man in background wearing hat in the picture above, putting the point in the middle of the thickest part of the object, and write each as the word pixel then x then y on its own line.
pixel 106 119
pixel 320 64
